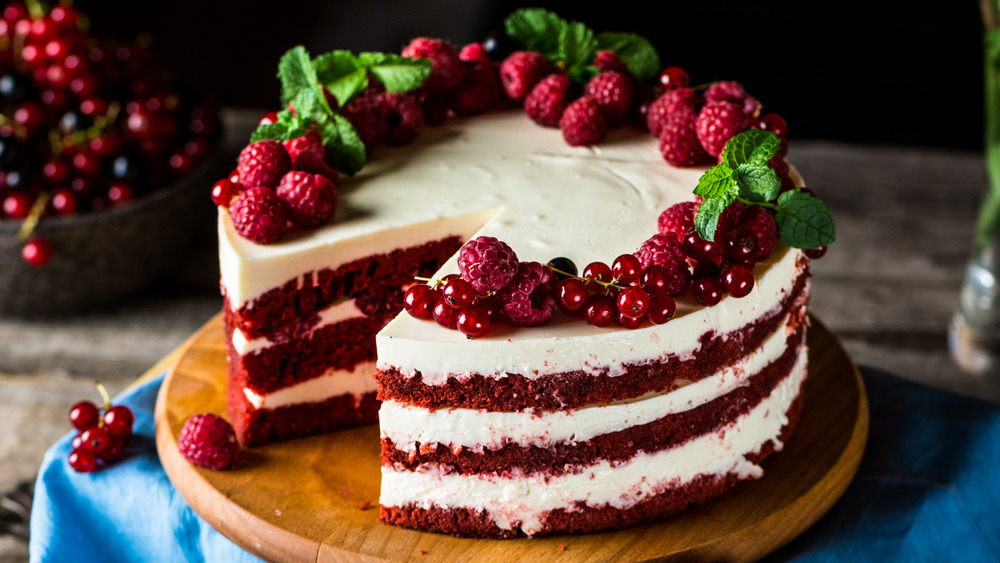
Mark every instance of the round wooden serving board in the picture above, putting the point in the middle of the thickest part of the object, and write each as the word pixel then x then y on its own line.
pixel 316 499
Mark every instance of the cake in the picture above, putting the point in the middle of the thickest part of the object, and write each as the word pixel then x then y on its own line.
pixel 521 430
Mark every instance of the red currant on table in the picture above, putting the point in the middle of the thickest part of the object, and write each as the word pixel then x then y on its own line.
pixel 118 421
pixel 82 460
pixel 101 438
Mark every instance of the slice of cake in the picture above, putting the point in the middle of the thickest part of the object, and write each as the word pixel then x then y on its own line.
pixel 658 392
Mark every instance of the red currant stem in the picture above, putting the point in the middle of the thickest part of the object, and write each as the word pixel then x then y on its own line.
pixel 101 124
pixel 31 221
pixel 104 395
pixel 35 9
pixel 607 285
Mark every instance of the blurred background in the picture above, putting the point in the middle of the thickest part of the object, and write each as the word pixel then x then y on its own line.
pixel 880 71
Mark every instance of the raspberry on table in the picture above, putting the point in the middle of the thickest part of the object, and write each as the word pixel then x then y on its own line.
pixel 487 263
pixel 479 90
pixel 403 116
pixel 208 440
pixel 311 198
pixel 679 143
pixel 718 122
pixel 547 101
pixel 521 70
pixel 582 123
pixel 259 214
pixel 263 163
pixel 447 70
pixel 613 93
pixel 530 297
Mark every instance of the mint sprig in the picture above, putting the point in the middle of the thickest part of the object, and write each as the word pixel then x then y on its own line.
pixel 573 45
pixel 305 81
pixel 743 175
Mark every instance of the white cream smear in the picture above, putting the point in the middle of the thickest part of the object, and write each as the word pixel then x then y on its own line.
pixel 335 382
pixel 522 500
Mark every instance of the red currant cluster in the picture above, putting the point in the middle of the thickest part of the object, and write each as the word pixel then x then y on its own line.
pixel 101 437
pixel 86 124
pixel 452 303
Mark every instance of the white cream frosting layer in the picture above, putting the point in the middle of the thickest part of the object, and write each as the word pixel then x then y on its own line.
pixel 335 382
pixel 522 500
pixel 409 425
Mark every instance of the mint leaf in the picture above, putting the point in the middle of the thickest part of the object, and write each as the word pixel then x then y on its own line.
pixel 536 29
pixel 577 45
pixel 345 88
pixel 345 147
pixel 715 182
pixel 638 54
pixel 396 72
pixel 332 66
pixel 276 131
pixel 753 146
pixel 296 72
pixel 707 219
pixel 757 183
pixel 804 221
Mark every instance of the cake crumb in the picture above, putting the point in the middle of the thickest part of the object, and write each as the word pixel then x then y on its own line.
pixel 364 505
pixel 562 547
pixel 422 552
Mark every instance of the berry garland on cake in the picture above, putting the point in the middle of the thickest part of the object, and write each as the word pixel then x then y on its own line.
pixel 339 107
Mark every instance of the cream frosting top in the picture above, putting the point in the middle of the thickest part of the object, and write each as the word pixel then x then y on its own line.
pixel 502 175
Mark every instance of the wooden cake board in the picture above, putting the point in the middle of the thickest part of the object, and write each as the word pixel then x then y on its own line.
pixel 316 498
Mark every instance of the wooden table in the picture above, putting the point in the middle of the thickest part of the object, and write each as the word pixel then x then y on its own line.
pixel 887 288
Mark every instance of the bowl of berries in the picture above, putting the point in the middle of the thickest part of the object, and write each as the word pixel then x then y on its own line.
pixel 104 153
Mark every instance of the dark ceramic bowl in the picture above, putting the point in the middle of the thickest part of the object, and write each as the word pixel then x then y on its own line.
pixel 99 257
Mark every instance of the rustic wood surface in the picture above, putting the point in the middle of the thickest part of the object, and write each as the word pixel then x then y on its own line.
pixel 315 499
pixel 887 289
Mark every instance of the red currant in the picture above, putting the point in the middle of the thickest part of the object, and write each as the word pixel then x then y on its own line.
pixel 815 253
pixel 674 77
pixel 268 118
pixel 36 252
pixel 633 301
pixel 224 190
pixel 597 271
pixel 626 269
pixel 17 205
pixel 473 321
pixel 626 321
pixel 118 421
pixel 600 311
pixel 83 415
pixel 82 460
pixel 708 291
pixel 699 249
pixel 119 193
pixel 661 309
pixel 655 279
pixel 739 280
pixel 94 439
pixel 740 244
pixel 774 123
pixel 113 450
pixel 458 293
pixel 572 294
pixel 419 300
pixel 64 202
pixel 444 314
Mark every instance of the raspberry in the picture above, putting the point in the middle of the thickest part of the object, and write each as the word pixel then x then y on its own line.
pixel 380 301
pixel 447 70
pixel 259 214
pixel 729 220
pixel 613 92
pixel 582 122
pixel 609 60
pixel 263 163
pixel 365 114
pixel 717 122
pixel 547 100
pixel 208 440
pixel 521 70
pixel 312 198
pixel 478 92
pixel 664 249
pixel 780 167
pixel 679 142
pixel 309 155
pixel 732 92
pixel 678 219
pixel 403 116
pixel 475 52
pixel 530 297
pixel 487 263
pixel 759 220
pixel 673 102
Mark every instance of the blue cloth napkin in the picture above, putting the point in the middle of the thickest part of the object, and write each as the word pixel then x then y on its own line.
pixel 926 490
